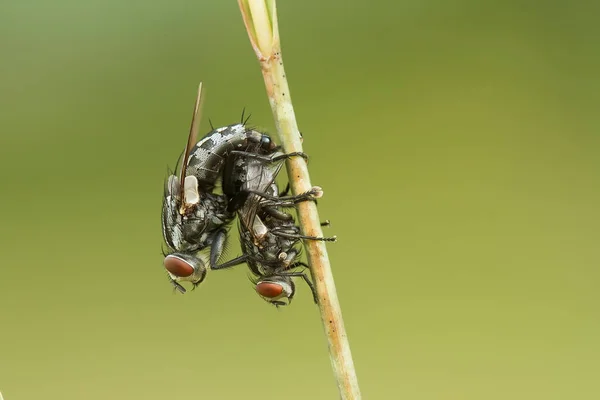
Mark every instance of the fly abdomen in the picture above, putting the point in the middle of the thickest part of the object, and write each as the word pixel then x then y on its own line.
pixel 207 158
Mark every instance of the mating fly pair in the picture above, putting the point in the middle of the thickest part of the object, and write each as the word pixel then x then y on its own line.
pixel 245 162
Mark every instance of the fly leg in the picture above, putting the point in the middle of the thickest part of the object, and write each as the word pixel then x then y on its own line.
pixel 311 195
pixel 287 201
pixel 278 214
pixel 232 263
pixel 177 286
pixel 308 282
pixel 285 191
pixel 217 246
pixel 290 155
pixel 271 209
pixel 296 235
pixel 271 158
pixel 298 264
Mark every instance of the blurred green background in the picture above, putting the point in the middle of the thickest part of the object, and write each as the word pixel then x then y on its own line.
pixel 458 145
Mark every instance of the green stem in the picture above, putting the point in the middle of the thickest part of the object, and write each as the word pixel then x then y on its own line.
pixel 278 93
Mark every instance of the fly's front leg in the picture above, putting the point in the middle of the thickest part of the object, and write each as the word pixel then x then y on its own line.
pixel 272 158
pixel 294 235
pixel 177 287
pixel 231 263
pixel 290 155
pixel 308 282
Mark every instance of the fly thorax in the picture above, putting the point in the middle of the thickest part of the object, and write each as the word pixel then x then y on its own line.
pixel 253 250
pixel 217 220
pixel 204 238
pixel 271 256
pixel 285 243
pixel 194 224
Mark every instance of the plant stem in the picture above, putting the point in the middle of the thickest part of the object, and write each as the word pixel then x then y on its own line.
pixel 260 25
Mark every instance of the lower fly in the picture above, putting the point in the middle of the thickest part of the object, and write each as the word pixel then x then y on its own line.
pixel 270 239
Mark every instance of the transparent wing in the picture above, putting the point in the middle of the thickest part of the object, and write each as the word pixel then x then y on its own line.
pixel 258 176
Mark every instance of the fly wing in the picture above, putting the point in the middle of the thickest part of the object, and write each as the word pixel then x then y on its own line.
pixel 178 192
pixel 259 176
pixel 185 193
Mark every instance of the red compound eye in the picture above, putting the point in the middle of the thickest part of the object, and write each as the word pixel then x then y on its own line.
pixel 178 267
pixel 269 289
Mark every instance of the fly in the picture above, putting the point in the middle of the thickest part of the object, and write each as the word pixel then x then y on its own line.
pixel 194 217
pixel 269 237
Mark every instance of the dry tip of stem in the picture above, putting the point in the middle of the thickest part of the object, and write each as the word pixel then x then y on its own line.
pixel 260 18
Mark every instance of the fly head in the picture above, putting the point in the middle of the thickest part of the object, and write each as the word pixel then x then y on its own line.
pixel 277 290
pixel 183 267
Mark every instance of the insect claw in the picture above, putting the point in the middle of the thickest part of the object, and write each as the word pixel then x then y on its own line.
pixel 178 288
pixel 317 192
